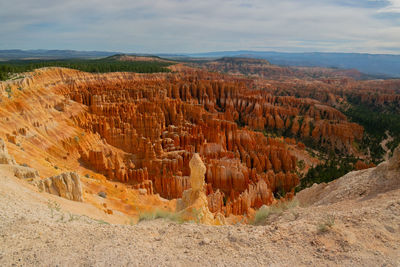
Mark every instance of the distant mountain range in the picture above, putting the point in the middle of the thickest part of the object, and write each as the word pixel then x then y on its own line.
pixel 16 54
pixel 374 64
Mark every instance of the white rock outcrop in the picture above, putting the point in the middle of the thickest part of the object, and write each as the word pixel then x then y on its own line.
pixel 8 162
pixel 193 205
pixel 5 158
pixel 67 185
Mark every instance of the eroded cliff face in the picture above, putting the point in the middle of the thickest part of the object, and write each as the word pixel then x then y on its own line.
pixel 384 94
pixel 36 122
pixel 142 130
pixel 263 69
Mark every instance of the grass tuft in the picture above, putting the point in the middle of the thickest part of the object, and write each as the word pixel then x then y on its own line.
pixel 160 214
pixel 102 222
pixel 326 225
pixel 265 212
pixel 53 206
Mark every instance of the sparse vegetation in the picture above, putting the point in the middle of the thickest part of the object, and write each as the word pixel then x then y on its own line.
pixel 301 164
pixel 375 121
pixel 262 214
pixel 72 217
pixel 61 219
pixel 157 214
pixel 102 222
pixel 333 168
pixel 326 224
pixel 53 206
pixel 9 91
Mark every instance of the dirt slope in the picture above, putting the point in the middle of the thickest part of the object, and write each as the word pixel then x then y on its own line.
pixel 365 233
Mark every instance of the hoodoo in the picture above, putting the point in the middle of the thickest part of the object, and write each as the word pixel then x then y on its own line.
pixel 194 205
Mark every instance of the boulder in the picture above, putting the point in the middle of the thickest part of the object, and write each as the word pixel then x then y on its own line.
pixel 66 185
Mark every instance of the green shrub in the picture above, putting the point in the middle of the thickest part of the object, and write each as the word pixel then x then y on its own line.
pixel 333 168
pixel 160 214
pixel 327 224
pixel 264 212
pixel 261 215
pixel 301 164
pixel 102 222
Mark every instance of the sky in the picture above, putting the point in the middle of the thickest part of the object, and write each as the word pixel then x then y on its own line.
pixel 179 26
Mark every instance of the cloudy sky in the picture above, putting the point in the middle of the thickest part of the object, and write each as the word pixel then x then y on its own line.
pixel 149 26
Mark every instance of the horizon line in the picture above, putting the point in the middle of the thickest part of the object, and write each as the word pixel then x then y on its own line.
pixel 208 52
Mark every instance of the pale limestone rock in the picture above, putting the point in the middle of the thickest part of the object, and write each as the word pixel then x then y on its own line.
pixel 21 172
pixel 197 172
pixel 194 204
pixel 25 172
pixel 394 161
pixel 5 158
pixel 393 164
pixel 219 219
pixel 142 191
pixel 66 185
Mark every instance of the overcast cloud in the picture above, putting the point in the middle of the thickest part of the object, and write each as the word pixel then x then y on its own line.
pixel 147 26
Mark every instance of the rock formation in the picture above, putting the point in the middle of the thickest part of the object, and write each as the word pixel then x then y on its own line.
pixel 27 173
pixel 159 130
pixel 263 69
pixel 361 165
pixel 394 161
pixel 22 172
pixel 66 185
pixel 194 205
pixel 157 122
pixel 364 184
pixel 5 158
pixel 143 129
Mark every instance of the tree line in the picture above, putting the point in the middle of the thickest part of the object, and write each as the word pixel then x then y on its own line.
pixel 9 68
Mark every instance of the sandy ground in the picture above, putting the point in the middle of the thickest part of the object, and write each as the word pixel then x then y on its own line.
pixel 35 232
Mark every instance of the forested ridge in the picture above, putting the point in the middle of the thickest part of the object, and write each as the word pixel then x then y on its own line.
pixel 10 68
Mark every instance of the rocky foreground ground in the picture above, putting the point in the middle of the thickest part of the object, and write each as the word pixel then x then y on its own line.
pixel 352 229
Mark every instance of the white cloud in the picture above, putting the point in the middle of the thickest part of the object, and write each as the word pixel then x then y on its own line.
pixel 393 7
pixel 195 26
